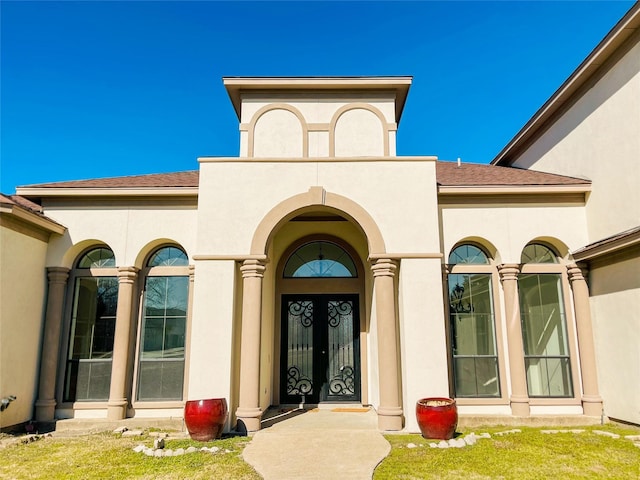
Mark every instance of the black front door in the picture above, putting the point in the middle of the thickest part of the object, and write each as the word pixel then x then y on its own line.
pixel 320 350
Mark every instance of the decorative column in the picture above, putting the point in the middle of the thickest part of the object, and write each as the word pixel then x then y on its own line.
pixel 390 409
pixel 519 394
pixel 118 401
pixel 249 412
pixel 46 403
pixel 591 400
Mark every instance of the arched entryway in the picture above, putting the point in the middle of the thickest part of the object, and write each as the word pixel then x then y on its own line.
pixel 297 219
pixel 321 322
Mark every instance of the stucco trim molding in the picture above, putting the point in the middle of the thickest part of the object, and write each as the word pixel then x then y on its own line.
pixel 316 159
pixel 386 127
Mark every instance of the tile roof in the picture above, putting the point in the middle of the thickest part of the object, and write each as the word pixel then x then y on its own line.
pixel 447 174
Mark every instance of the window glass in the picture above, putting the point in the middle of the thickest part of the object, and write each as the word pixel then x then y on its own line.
pixel 475 358
pixel 468 254
pixel 97 258
pixel 161 366
pixel 536 253
pixel 168 256
pixel 544 335
pixel 93 322
pixel 320 259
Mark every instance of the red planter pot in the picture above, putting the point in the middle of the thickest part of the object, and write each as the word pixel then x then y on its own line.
pixel 437 417
pixel 205 418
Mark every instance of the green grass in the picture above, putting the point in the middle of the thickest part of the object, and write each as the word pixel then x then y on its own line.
pixel 524 456
pixel 111 456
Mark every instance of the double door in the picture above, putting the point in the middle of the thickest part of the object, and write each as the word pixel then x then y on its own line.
pixel 320 349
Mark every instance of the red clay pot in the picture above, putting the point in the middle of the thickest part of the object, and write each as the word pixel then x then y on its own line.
pixel 205 418
pixel 437 417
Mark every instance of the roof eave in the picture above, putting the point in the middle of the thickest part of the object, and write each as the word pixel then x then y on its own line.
pixel 608 247
pixel 44 192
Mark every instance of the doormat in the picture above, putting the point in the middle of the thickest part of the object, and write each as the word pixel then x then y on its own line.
pixel 352 409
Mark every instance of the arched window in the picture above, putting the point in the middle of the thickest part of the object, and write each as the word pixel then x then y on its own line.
pixel 93 322
pixel 320 259
pixel 161 351
pixel 472 323
pixel 544 324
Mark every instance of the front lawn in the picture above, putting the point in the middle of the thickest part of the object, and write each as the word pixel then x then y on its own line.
pixel 529 454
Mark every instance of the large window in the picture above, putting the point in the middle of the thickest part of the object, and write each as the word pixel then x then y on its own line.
pixel 472 324
pixel 164 317
pixel 544 325
pixel 93 321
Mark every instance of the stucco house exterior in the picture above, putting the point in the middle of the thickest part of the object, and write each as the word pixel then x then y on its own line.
pixel 318 266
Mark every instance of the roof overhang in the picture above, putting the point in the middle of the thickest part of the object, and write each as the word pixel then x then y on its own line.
pixel 32 219
pixel 237 85
pixel 609 246
pixel 47 192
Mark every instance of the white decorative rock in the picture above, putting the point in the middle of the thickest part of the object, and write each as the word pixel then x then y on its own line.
pixel 157 453
pixel 139 448
pixel 132 433
pixel 179 451
pixel 433 445
pixel 168 452
pixel 632 437
pixel 120 430
pixel 411 445
pixel 606 434
pixel 484 435
pixel 148 452
pixel 191 450
pixel 470 439
pixel 443 444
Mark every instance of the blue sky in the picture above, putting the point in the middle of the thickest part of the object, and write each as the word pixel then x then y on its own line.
pixel 100 89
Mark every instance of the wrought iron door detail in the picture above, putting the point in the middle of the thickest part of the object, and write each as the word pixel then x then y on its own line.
pixel 320 355
pixel 340 336
pixel 299 347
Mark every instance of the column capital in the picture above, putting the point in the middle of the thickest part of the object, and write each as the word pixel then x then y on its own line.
pixel 508 271
pixel 57 274
pixel 577 272
pixel 127 274
pixel 384 267
pixel 253 268
pixel 192 272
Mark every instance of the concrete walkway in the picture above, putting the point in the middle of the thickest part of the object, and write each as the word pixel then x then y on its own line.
pixel 318 444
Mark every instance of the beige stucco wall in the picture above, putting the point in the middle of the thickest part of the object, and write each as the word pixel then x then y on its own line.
pixel 510 227
pixel 22 297
pixel 597 139
pixel 130 231
pixel 615 296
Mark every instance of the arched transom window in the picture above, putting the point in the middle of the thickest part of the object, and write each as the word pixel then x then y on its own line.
pixel 320 259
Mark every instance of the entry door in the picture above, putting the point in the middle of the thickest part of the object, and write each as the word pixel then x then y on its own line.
pixel 320 350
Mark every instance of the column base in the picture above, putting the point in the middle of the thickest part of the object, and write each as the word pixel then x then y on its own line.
pixel 45 410
pixel 390 419
pixel 248 419
pixel 117 409
pixel 520 406
pixel 592 406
